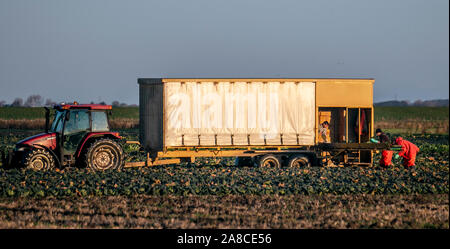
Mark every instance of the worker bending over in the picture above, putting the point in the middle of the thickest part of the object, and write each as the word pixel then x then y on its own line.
pixel 408 152
pixel 386 155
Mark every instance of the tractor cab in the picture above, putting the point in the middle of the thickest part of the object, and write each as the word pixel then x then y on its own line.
pixel 73 123
pixel 78 135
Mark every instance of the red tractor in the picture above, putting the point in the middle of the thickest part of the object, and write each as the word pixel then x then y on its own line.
pixel 79 136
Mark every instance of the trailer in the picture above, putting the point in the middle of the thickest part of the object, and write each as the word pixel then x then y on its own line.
pixel 264 122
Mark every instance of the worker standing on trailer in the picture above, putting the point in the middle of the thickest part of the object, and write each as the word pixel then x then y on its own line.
pixel 408 152
pixel 323 130
pixel 386 155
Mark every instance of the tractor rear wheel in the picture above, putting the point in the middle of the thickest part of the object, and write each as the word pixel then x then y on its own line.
pixel 38 159
pixel 104 154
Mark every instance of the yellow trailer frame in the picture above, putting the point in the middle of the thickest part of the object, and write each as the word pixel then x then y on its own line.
pixel 329 93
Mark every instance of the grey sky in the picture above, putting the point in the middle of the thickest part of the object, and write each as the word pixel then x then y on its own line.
pixel 95 50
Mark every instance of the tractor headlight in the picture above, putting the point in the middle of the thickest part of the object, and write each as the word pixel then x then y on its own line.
pixel 20 148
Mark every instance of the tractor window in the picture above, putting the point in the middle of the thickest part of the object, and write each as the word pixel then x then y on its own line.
pixel 78 121
pixel 99 121
pixel 57 124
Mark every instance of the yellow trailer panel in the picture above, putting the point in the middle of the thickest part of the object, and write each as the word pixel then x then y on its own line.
pixel 344 93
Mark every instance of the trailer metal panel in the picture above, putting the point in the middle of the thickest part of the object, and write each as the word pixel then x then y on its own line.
pixel 151 111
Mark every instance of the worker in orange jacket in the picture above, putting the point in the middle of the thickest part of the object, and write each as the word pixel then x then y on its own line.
pixel 408 152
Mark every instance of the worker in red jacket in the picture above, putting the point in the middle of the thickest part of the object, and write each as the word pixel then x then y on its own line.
pixel 408 152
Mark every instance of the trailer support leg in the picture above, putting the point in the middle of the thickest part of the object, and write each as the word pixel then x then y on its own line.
pixel 148 161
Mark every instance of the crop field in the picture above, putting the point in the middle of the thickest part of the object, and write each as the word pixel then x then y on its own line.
pixel 412 119
pixel 410 112
pixel 229 211
pixel 30 113
pixel 212 193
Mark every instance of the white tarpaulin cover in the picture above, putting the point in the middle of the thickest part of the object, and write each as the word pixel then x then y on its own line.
pixel 239 113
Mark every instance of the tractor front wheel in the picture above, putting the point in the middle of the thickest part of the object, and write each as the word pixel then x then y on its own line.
pixel 104 154
pixel 38 159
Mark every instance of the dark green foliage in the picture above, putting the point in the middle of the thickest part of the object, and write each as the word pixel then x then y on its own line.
pixel 405 113
pixel 125 112
pixel 209 176
pixel 22 112
pixel 211 180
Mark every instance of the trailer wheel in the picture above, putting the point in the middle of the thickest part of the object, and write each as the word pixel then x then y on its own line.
pixel 104 154
pixel 269 161
pixel 38 159
pixel 299 161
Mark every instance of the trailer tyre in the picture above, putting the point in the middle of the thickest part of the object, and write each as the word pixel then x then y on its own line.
pixel 299 161
pixel 104 154
pixel 38 159
pixel 269 161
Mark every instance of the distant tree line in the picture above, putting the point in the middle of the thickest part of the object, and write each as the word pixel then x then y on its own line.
pixel 428 103
pixel 116 103
pixel 36 100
